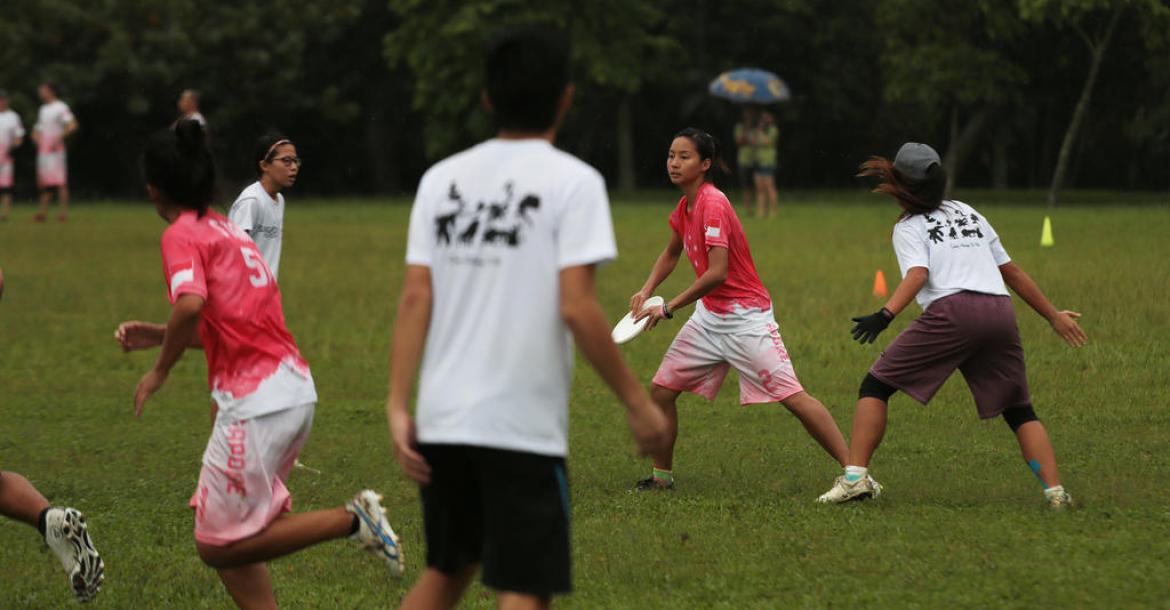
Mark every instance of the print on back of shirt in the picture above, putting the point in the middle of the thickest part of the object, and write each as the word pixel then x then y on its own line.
pixel 962 227
pixel 491 222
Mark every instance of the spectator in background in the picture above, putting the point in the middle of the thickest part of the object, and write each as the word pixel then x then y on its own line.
pixel 745 159
pixel 764 136
pixel 11 136
pixel 55 122
pixel 189 108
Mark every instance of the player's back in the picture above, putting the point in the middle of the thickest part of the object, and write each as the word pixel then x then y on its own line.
pixel 242 324
pixel 496 224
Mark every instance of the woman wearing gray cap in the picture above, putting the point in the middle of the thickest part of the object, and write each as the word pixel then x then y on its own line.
pixel 953 263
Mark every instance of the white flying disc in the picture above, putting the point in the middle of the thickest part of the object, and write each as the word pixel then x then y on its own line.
pixel 628 328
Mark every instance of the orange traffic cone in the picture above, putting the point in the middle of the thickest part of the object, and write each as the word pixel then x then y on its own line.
pixel 879 285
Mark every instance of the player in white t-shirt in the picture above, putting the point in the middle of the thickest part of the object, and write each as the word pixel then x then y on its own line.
pixel 503 245
pixel 55 122
pixel 225 301
pixel 64 530
pixel 259 209
pixel 11 136
pixel 953 262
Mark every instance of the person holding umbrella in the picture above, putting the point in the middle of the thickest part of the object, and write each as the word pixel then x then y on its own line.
pixel 756 133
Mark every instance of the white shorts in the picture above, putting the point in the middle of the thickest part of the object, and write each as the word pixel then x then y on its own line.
pixel 51 168
pixel 698 360
pixel 241 487
pixel 5 173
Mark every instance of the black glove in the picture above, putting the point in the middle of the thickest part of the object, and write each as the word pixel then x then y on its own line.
pixel 868 327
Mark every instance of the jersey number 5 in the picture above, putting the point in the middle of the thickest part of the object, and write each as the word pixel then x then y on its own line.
pixel 255 263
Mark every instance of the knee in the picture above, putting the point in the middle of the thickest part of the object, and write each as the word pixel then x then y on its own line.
pixel 872 387
pixel 1018 416
pixel 663 397
pixel 212 556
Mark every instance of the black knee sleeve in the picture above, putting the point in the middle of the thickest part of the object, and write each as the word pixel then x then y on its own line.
pixel 872 387
pixel 1018 416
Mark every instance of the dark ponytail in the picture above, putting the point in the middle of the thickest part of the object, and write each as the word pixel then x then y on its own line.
pixel 177 163
pixel 914 196
pixel 708 148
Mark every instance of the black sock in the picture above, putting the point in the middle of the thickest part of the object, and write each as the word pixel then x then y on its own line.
pixel 357 524
pixel 41 522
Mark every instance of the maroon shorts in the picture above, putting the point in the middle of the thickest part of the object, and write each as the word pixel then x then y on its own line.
pixel 973 332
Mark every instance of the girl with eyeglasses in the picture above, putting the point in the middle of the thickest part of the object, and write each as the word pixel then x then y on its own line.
pixel 259 210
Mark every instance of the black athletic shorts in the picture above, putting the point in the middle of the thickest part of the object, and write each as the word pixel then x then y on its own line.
pixel 508 510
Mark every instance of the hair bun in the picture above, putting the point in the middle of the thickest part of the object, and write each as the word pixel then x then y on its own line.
pixel 190 135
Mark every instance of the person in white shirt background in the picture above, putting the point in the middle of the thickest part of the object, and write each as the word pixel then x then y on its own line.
pixel 259 209
pixel 11 137
pixel 55 122
pixel 189 108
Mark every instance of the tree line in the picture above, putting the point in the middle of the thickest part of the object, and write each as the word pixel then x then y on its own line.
pixel 1014 93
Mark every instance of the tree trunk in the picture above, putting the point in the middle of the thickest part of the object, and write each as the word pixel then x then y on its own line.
pixel 999 160
pixel 963 141
pixel 1070 135
pixel 625 144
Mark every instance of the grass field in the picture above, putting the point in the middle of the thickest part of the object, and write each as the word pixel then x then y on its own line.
pixel 961 523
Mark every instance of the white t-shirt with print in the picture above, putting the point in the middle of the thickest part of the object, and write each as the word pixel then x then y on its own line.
pixel 263 218
pixel 11 129
pixel 959 248
pixel 52 119
pixel 496 224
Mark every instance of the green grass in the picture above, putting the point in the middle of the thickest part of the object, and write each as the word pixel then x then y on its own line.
pixel 961 523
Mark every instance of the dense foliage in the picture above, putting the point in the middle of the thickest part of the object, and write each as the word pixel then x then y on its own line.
pixel 375 90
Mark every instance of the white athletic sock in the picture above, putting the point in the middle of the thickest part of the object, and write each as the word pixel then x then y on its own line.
pixel 855 473
pixel 1052 491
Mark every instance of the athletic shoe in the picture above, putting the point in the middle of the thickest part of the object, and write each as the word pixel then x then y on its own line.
pixel 653 484
pixel 1058 499
pixel 374 532
pixel 846 491
pixel 67 535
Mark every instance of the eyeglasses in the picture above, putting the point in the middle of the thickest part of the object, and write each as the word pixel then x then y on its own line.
pixel 288 161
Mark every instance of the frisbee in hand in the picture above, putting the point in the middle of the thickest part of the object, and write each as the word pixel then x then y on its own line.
pixel 628 327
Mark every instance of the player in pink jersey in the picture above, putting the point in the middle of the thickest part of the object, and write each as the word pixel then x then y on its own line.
pixel 226 301
pixel 733 324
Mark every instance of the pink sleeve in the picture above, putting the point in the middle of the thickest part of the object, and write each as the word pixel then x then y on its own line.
pixel 182 266
pixel 716 224
pixel 675 225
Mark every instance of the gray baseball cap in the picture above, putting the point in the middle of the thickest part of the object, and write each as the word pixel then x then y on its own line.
pixel 914 160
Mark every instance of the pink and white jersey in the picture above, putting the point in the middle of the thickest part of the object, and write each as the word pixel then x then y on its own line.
pixel 712 223
pixel 253 365
pixel 52 118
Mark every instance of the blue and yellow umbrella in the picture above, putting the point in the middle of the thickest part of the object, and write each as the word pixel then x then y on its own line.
pixel 750 86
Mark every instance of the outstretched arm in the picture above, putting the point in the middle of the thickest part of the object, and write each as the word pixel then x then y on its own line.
pixel 180 330
pixel 1063 322
pixel 662 269
pixel 411 325
pixel 711 279
pixel 867 328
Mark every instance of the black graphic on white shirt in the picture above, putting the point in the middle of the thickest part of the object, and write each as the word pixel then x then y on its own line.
pixel 488 222
pixel 948 227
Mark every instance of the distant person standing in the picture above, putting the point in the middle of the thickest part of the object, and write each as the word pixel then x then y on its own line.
pixel 745 154
pixel 11 136
pixel 189 108
pixel 55 122
pixel 259 210
pixel 765 136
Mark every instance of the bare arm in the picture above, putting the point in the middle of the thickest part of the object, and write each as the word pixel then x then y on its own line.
pixel 136 335
pixel 411 325
pixel 711 279
pixel 70 127
pixel 1063 322
pixel 182 325
pixel 907 289
pixel 585 319
pixel 662 269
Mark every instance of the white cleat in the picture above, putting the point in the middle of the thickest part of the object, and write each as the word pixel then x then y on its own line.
pixel 845 491
pixel 1057 498
pixel 374 532
pixel 68 537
